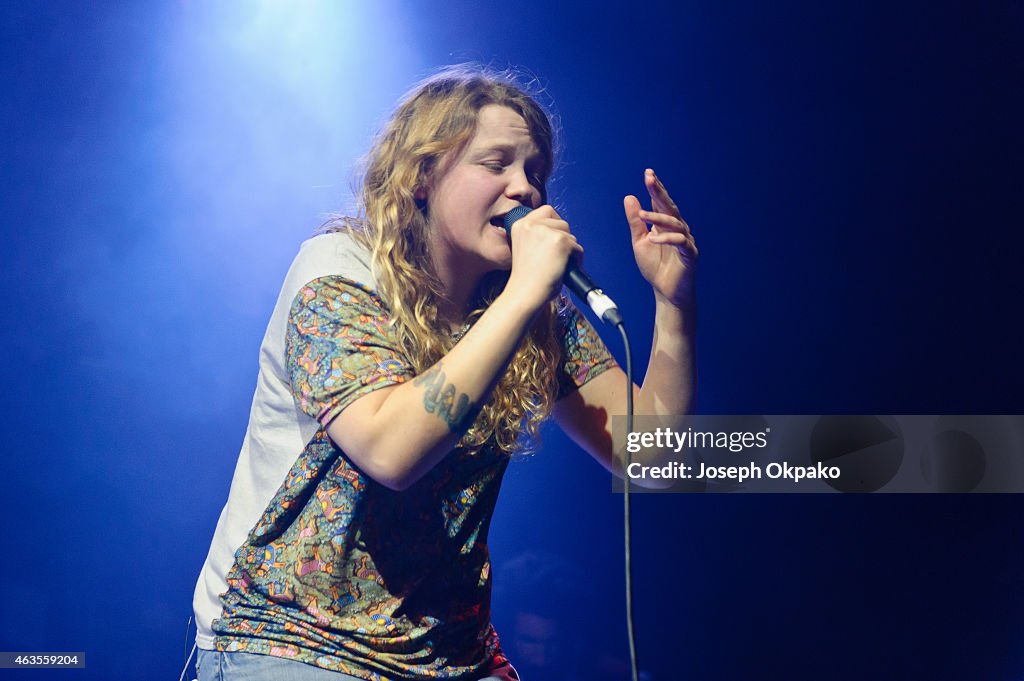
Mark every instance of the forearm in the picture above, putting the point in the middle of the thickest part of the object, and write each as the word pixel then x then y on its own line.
pixel 669 387
pixel 406 432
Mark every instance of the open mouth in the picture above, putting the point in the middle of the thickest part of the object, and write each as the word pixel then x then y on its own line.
pixel 498 221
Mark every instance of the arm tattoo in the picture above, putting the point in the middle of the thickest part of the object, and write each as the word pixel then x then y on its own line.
pixel 439 398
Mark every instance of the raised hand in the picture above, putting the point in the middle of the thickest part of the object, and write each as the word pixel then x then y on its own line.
pixel 666 253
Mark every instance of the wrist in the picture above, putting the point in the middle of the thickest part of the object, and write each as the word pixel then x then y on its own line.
pixel 681 301
pixel 679 314
pixel 513 305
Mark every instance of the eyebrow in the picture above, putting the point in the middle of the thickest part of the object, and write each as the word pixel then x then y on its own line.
pixel 506 147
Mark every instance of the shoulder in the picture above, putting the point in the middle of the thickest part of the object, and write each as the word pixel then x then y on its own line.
pixel 574 329
pixel 338 296
pixel 584 354
pixel 330 268
pixel 333 254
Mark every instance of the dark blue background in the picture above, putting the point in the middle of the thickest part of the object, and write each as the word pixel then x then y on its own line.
pixel 853 177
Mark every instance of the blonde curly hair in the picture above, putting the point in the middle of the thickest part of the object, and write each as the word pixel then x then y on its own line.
pixel 434 120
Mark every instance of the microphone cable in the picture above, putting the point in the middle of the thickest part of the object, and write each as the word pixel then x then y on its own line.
pixel 626 517
pixel 577 281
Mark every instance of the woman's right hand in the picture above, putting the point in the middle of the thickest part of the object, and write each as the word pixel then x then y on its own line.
pixel 541 247
pixel 432 408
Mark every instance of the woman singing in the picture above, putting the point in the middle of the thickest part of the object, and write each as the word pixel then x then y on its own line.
pixel 411 348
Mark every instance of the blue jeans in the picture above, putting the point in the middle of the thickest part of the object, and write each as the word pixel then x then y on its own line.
pixel 215 666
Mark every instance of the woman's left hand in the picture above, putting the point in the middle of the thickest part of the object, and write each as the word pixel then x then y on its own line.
pixel 667 253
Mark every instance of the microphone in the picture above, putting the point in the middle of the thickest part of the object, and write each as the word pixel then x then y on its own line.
pixel 578 281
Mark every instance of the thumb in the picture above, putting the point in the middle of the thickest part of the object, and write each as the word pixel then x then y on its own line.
pixel 637 227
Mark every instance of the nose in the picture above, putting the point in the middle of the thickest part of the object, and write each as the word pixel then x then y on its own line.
pixel 519 189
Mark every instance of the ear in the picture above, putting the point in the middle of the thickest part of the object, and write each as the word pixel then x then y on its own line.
pixel 420 195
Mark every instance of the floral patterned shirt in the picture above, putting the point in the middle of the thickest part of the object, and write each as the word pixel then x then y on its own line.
pixel 346 574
